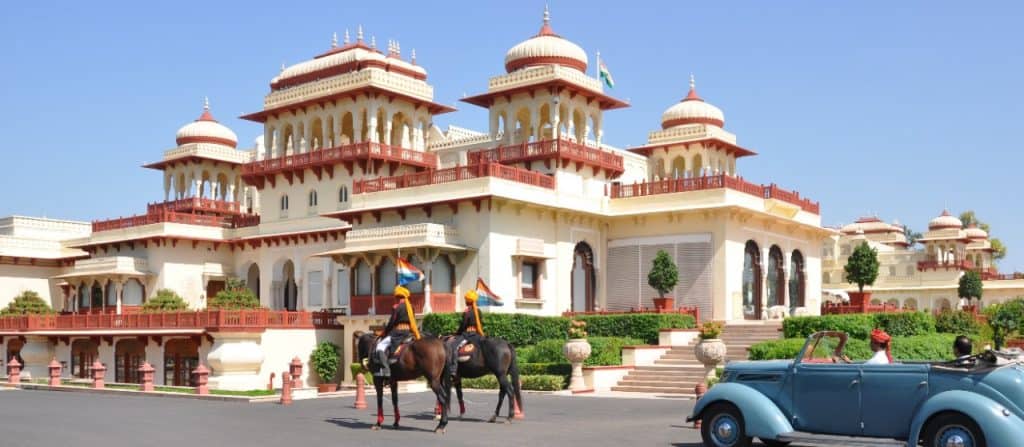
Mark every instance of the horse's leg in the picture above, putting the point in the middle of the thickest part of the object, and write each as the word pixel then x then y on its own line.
pixel 394 401
pixel 501 398
pixel 506 389
pixel 458 391
pixel 378 384
pixel 442 399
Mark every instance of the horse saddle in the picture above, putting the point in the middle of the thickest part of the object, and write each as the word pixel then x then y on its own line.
pixel 465 351
pixel 398 349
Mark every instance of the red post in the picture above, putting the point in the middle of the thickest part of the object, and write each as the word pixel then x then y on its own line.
pixel 296 370
pixel 270 385
pixel 98 371
pixel 54 372
pixel 360 391
pixel 202 374
pixel 146 370
pixel 286 389
pixel 699 390
pixel 14 371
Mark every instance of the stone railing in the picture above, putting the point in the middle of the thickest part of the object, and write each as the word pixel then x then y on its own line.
pixel 237 221
pixel 561 149
pixel 543 73
pixel 195 204
pixel 709 182
pixel 431 232
pixel 339 154
pixel 351 81
pixel 453 175
pixel 936 265
pixel 256 320
pixel 206 150
pixel 19 243
pixel 111 263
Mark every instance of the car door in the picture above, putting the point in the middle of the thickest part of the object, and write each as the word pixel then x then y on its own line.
pixel 889 396
pixel 826 398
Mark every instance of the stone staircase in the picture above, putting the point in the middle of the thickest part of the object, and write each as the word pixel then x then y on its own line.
pixel 678 371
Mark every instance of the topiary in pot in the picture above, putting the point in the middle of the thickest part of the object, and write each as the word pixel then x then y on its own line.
pixel 324 361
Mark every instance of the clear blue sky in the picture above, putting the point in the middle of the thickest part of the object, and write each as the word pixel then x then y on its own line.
pixel 892 108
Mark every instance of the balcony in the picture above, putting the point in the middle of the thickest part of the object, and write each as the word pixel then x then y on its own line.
pixel 236 221
pixel 932 264
pixel 560 150
pixel 450 175
pixel 402 236
pixel 195 204
pixel 324 160
pixel 668 186
pixel 109 264
pixel 256 320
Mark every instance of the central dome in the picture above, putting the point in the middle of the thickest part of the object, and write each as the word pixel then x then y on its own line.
pixel 546 48
pixel 944 221
pixel 206 130
pixel 692 110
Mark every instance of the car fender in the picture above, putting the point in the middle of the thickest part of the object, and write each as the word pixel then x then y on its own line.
pixel 762 417
pixel 1000 427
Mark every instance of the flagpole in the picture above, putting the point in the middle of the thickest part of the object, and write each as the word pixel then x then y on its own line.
pixel 597 66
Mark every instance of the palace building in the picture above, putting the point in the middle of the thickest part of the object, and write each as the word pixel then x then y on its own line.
pixel 350 174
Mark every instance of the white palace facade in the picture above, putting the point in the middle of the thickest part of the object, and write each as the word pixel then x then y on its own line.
pixel 351 173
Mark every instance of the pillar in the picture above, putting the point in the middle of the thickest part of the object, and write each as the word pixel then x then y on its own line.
pixel 357 127
pixel 387 130
pixel 146 371
pixel 336 132
pixel 54 372
pixel 286 389
pixel 119 292
pixel 295 369
pixel 268 141
pixel 202 374
pixel 98 373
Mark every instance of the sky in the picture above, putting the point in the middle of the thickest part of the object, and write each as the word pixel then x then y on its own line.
pixel 894 109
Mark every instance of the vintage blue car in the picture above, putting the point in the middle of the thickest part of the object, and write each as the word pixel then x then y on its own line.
pixel 976 402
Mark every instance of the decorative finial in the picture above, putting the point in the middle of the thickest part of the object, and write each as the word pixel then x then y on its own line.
pixel 391 47
pixel 414 55
pixel 359 33
pixel 693 83
pixel 347 41
pixel 334 40
pixel 282 66
pixel 373 42
pixel 398 49
pixel 206 103
pixel 547 14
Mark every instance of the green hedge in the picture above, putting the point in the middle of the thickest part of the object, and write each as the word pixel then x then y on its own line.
pixel 604 351
pixel 859 326
pixel 534 383
pixel 552 369
pixel 931 347
pixel 524 330
pixel 957 322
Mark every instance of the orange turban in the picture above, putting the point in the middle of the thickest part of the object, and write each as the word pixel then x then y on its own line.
pixel 881 337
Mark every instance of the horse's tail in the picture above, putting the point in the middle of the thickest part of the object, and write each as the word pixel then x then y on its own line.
pixel 513 371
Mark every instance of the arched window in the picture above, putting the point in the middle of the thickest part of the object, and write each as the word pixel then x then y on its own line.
pixel 776 277
pixel 583 278
pixel 363 280
pixel 111 294
pixel 797 279
pixel 284 202
pixel 83 296
pixel 441 275
pixel 133 293
pixel 752 281
pixel 312 198
pixel 343 194
pixel 386 278
pixel 97 295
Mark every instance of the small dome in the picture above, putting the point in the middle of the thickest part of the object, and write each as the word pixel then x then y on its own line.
pixel 944 221
pixel 546 48
pixel 206 130
pixel 692 110
pixel 975 233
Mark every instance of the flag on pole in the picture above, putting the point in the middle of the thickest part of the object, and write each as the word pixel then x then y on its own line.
pixel 605 75
pixel 407 272
pixel 484 295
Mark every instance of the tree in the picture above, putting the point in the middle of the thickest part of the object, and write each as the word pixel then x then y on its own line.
pixel 166 300
pixel 234 296
pixel 27 303
pixel 998 249
pixel 664 274
pixel 1005 319
pixel 912 236
pixel 970 285
pixel 862 266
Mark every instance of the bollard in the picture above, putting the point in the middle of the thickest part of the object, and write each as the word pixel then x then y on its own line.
pixel 146 371
pixel 270 385
pixel 202 374
pixel 54 372
pixel 295 368
pixel 360 391
pixel 699 390
pixel 14 371
pixel 98 371
pixel 286 389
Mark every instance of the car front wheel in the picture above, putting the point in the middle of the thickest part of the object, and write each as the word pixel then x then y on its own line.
pixel 722 425
pixel 953 429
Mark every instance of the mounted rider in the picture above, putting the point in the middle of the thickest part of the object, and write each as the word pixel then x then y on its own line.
pixel 470 330
pixel 401 323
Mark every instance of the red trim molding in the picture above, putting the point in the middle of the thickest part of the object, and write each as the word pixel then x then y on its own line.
pixel 692 120
pixel 516 64
pixel 205 139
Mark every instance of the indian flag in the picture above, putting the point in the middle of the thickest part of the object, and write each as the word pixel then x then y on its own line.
pixel 606 76
pixel 407 272
pixel 485 297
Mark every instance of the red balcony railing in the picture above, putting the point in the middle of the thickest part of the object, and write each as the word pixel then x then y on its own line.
pixel 339 154
pixel 947 265
pixel 561 149
pixel 195 204
pixel 238 221
pixel 667 186
pixel 364 304
pixel 830 309
pixel 211 320
pixel 453 175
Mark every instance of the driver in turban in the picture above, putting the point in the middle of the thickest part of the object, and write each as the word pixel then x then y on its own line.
pixel 881 345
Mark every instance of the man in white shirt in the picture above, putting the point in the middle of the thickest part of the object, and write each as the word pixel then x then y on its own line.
pixel 880 344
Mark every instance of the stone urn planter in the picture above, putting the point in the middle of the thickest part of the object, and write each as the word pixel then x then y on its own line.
pixel 577 350
pixel 710 350
pixel 664 304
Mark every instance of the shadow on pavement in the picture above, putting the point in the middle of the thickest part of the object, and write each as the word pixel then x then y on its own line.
pixel 357 424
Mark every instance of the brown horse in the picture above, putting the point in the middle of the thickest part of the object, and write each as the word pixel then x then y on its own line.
pixel 496 356
pixel 425 358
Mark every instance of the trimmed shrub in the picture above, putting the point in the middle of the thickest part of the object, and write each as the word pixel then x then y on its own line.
pixel 235 296
pixel 931 347
pixel 957 322
pixel 324 360
pixel 605 351
pixel 859 326
pixel 166 300
pixel 524 330
pixel 27 303
pixel 553 369
pixel 534 382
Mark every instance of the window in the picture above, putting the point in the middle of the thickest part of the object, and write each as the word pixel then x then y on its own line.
pixel 343 194
pixel 528 278
pixel 312 198
pixel 284 203
pixel 316 290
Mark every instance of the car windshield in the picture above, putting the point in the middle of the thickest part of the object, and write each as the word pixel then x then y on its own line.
pixel 823 347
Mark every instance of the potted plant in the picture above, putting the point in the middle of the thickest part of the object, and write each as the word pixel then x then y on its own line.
pixel 710 350
pixel 577 350
pixel 324 360
pixel 862 269
pixel 663 277
pixel 970 287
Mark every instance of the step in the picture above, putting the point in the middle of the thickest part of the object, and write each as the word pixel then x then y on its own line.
pixel 652 375
pixel 638 389
pixel 682 384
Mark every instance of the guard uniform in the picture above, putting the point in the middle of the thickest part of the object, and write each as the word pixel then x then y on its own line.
pixel 400 324
pixel 470 330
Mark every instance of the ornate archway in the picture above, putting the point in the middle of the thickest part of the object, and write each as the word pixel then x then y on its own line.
pixel 83 353
pixel 797 280
pixel 291 289
pixel 584 281
pixel 776 277
pixel 752 281
pixel 181 356
pixel 128 357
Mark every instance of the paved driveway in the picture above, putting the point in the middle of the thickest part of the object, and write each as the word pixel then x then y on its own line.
pixel 46 418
